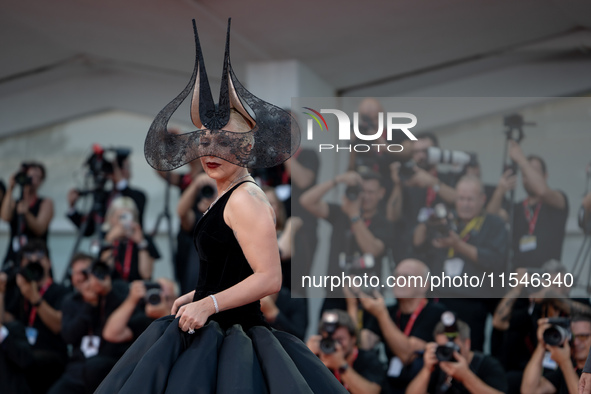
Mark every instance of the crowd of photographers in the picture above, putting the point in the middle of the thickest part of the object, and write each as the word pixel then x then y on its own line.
pixel 63 336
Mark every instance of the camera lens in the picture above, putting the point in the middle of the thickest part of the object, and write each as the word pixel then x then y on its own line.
pixel 207 191
pixel 100 270
pixel 328 345
pixel 153 297
pixel 352 192
pixel 32 272
pixel 555 335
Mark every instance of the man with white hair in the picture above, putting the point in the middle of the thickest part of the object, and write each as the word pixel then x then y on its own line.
pixel 467 243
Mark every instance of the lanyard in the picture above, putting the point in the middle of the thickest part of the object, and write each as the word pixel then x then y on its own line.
pixel 532 218
pixel 124 271
pixel 33 312
pixel 474 224
pixel 413 317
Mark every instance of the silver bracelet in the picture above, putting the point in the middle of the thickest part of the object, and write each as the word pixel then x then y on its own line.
pixel 215 303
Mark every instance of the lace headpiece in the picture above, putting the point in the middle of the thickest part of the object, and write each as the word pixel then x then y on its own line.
pixel 273 136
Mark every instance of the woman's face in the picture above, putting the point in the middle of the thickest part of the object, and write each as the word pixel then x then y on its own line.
pixel 215 167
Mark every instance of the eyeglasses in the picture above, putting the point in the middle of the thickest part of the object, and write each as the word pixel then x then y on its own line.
pixel 581 337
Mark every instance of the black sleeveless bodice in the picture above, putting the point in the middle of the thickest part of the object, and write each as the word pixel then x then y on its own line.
pixel 222 264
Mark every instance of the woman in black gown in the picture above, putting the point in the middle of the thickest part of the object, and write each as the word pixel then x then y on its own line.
pixel 216 340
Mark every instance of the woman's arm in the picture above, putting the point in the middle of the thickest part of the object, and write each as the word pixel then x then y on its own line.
pixel 247 209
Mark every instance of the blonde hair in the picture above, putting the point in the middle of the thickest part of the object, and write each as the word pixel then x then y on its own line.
pixel 118 203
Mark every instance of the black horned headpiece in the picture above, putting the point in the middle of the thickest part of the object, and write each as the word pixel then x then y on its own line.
pixel 273 136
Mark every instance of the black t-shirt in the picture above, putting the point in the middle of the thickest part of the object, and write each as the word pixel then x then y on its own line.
pixel 293 314
pixel 487 368
pixel 343 239
pixel 23 311
pixel 422 328
pixel 138 323
pixel 557 379
pixel 126 259
pixel 368 365
pixel 82 319
pixel 549 231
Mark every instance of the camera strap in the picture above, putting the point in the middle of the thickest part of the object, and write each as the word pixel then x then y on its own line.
pixel 473 225
pixel 126 268
pixel 412 319
pixel 33 312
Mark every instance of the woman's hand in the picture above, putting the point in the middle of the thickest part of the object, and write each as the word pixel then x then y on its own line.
pixel 194 315
pixel 182 300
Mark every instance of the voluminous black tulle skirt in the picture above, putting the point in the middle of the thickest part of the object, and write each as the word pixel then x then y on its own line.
pixel 166 360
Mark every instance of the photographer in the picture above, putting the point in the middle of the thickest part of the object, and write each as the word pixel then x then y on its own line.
pixel 195 200
pixel 131 253
pixel 565 355
pixel 36 301
pixel 145 303
pixel 405 328
pixel 422 187
pixel 539 221
pixel 358 370
pixel 85 311
pixel 102 167
pixel 471 243
pixel 450 366
pixel 359 231
pixel 16 354
pixel 30 215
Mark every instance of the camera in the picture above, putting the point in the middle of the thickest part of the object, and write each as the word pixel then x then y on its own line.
pixel 446 352
pixel 207 192
pixel 330 323
pixel 559 332
pixel 514 124
pixel 445 156
pixel 352 192
pixel 153 293
pixel 32 272
pixel 100 269
pixel 100 162
pixel 126 221
pixel 440 222
pixel 21 177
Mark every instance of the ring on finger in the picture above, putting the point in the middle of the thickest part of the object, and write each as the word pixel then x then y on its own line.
pixel 191 331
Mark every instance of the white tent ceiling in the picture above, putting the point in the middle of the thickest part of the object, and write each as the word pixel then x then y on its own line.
pixel 375 47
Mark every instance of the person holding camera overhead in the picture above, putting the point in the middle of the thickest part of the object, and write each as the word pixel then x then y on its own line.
pixel 30 215
pixel 451 366
pixel 34 299
pixel 128 251
pixel 359 231
pixel 360 371
pixel 103 167
pixel 539 221
pixel 563 346
pixel 468 242
pixel 85 311
pixel 146 302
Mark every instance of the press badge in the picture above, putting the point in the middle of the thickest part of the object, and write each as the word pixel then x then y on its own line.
pixel 31 333
pixel 527 243
pixel 453 266
pixel 90 345
pixel 395 367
